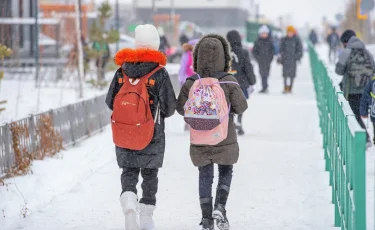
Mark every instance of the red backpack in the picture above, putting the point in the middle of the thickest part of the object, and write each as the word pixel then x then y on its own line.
pixel 132 121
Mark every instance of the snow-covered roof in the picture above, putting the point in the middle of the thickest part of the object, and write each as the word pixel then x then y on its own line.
pixel 28 21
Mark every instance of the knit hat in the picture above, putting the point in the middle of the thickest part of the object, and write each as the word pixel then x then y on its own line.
pixel 147 36
pixel 347 35
pixel 291 29
pixel 264 29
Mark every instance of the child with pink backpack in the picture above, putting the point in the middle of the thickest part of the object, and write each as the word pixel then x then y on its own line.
pixel 208 102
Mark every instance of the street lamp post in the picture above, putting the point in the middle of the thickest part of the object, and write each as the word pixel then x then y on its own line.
pixel 117 24
pixel 36 47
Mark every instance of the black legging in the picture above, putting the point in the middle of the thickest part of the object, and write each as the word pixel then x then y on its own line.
pixel 286 82
pixel 354 102
pixel 129 181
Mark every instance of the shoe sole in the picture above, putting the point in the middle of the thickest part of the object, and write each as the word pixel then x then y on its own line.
pixel 218 216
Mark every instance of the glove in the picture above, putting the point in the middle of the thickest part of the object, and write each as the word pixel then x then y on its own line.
pixel 250 90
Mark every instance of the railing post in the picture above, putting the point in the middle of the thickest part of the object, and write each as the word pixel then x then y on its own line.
pixel 86 118
pixel 7 149
pixel 360 180
pixel 32 134
pixel 71 123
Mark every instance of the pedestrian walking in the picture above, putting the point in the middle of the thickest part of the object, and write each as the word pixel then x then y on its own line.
pixel 263 52
pixel 242 69
pixel 291 52
pixel 356 64
pixel 141 97
pixel 212 142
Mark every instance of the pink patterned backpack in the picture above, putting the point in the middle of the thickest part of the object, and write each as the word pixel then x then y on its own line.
pixel 207 111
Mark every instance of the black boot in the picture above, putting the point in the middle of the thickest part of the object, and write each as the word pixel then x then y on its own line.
pixel 207 220
pixel 239 125
pixel 220 214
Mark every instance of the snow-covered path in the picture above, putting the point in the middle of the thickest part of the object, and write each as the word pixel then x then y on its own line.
pixel 279 182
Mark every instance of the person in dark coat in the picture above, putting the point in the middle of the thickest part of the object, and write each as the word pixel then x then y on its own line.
pixel 164 44
pixel 136 63
pixel 212 59
pixel 368 102
pixel 313 37
pixel 242 69
pixel 357 66
pixel 291 51
pixel 263 52
pixel 333 41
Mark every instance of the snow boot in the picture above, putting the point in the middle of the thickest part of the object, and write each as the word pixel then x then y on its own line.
pixel 206 207
pixel 220 215
pixel 286 90
pixel 145 216
pixel 264 91
pixel 241 132
pixel 208 224
pixel 129 203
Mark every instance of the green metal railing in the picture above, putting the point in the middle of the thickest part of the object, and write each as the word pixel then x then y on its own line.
pixel 344 143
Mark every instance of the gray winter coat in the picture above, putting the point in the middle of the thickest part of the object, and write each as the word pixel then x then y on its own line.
pixel 345 61
pixel 137 64
pixel 291 51
pixel 211 56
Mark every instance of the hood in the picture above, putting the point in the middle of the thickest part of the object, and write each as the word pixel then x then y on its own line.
pixel 139 62
pixel 211 55
pixel 355 43
pixel 234 38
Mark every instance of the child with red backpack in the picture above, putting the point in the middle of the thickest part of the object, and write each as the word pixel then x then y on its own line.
pixel 141 97
pixel 208 101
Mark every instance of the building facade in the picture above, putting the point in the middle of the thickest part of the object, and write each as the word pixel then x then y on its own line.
pixel 208 14
pixel 16 36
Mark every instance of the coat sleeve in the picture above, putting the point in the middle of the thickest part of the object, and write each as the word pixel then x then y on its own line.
pixel 183 97
pixel 114 88
pixel 299 49
pixel 256 50
pixel 282 48
pixel 237 98
pixel 342 64
pixel 366 99
pixel 167 97
pixel 249 69
pixel 271 51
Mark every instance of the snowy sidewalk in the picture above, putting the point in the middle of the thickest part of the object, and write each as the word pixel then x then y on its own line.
pixel 279 182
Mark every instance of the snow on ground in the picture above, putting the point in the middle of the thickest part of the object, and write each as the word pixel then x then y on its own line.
pixel 370 157
pixel 279 182
pixel 52 94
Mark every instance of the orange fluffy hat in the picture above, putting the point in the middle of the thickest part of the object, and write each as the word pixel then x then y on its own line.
pixel 291 29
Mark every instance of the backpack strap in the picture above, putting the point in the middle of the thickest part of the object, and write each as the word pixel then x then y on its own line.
pixel 149 83
pixel 218 75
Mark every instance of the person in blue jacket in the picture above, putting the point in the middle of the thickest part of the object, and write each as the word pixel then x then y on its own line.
pixel 368 102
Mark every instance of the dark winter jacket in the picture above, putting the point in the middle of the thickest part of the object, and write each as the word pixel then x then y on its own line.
pixel 313 37
pixel 360 66
pixel 164 44
pixel 263 52
pixel 291 51
pixel 211 56
pixel 135 64
pixel 333 40
pixel 368 100
pixel 241 64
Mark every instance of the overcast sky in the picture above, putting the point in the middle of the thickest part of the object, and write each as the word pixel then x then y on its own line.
pixel 302 11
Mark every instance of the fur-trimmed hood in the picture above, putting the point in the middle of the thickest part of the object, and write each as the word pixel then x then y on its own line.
pixel 211 55
pixel 140 56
